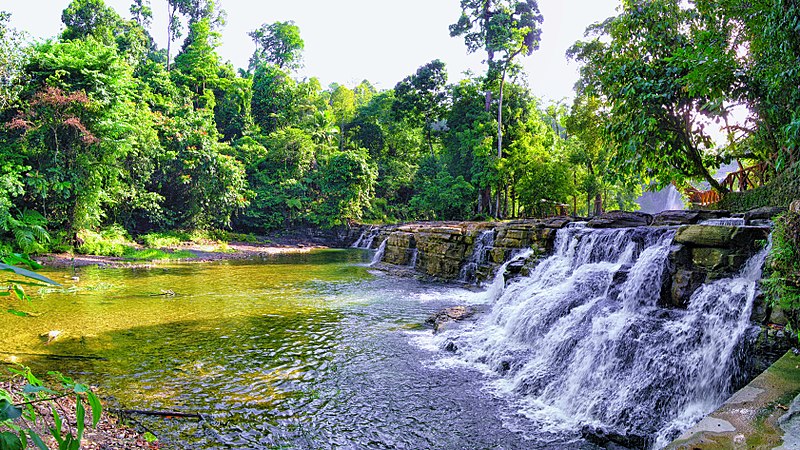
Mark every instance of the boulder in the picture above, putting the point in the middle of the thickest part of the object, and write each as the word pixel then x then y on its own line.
pixel 763 213
pixel 686 217
pixel 610 439
pixel 452 314
pixel 621 219
pixel 720 236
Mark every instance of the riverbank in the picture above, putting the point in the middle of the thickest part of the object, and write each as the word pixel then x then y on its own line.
pixel 200 252
pixel 109 434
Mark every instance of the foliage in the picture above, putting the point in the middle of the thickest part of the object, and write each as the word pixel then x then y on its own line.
pixel 19 412
pixel 111 241
pixel 12 57
pixel 783 285
pixel 279 44
pixel 644 67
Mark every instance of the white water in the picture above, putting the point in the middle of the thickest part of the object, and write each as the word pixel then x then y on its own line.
pixel 379 254
pixel 583 340
pixel 727 222
pixel 367 238
pixel 484 242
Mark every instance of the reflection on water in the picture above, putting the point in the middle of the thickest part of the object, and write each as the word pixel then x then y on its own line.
pixel 297 351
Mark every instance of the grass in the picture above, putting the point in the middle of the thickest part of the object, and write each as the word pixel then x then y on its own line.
pixel 153 254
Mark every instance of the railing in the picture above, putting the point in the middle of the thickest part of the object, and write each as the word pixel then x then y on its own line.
pixel 739 181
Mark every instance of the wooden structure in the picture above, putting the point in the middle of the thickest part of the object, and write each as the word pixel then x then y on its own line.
pixel 739 181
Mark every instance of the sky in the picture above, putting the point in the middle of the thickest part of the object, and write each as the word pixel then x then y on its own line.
pixel 383 41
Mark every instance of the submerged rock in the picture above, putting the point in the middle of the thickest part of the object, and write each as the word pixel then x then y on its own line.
pixel 452 314
pixel 612 440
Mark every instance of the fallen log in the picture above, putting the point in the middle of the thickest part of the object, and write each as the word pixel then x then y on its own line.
pixel 165 414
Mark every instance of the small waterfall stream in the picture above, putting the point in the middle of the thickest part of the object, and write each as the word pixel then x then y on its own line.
pixel 583 341
pixel 379 253
pixel 367 238
pixel 480 251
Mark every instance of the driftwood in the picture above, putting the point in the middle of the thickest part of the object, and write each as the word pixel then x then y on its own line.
pixel 58 357
pixel 165 414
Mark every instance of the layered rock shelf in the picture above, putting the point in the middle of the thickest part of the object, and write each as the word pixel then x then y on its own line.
pixel 471 252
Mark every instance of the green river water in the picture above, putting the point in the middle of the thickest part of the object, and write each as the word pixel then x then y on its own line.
pixel 296 351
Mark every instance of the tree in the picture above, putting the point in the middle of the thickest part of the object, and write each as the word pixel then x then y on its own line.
pixel 198 63
pixel 421 98
pixel 141 12
pixel 84 18
pixel 279 44
pixel 195 11
pixel 274 98
pixel 659 108
pixel 11 61
pixel 80 130
pixel 508 27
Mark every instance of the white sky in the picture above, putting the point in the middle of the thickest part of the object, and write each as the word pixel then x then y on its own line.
pixel 382 41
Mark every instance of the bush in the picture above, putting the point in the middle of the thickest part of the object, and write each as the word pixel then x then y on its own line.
pixel 112 241
pixel 783 285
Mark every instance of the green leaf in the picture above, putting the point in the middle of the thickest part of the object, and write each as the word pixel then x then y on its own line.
pixel 19 292
pixel 27 274
pixel 150 437
pixel 80 416
pixel 97 407
pixel 31 389
pixel 10 441
pixel 8 411
pixel 37 440
pixel 56 431
pixel 18 313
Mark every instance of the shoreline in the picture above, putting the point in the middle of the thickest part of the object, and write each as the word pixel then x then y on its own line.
pixel 202 254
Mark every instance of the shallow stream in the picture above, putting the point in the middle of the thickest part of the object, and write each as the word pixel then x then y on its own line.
pixel 309 351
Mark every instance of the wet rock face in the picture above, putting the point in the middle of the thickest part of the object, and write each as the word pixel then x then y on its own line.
pixel 704 253
pixel 621 219
pixel 686 217
pixel 764 213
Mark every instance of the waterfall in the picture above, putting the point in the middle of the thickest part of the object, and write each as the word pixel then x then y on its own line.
pixel 584 339
pixel 480 251
pixel 413 260
pixel 379 254
pixel 367 238
pixel 726 222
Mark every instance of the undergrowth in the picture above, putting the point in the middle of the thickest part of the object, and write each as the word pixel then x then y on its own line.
pixel 783 284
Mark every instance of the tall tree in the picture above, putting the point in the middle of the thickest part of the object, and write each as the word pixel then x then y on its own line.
pixel 141 12
pixel 421 98
pixel 194 11
pixel 11 60
pixel 84 18
pixel 279 44
pixel 506 27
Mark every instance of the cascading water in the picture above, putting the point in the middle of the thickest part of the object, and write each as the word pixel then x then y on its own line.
pixel 583 340
pixel 726 221
pixel 480 250
pixel 379 253
pixel 367 238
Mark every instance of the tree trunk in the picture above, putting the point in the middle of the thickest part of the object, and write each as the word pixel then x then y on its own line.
pixel 598 204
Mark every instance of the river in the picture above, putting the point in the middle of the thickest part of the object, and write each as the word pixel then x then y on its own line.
pixel 307 351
